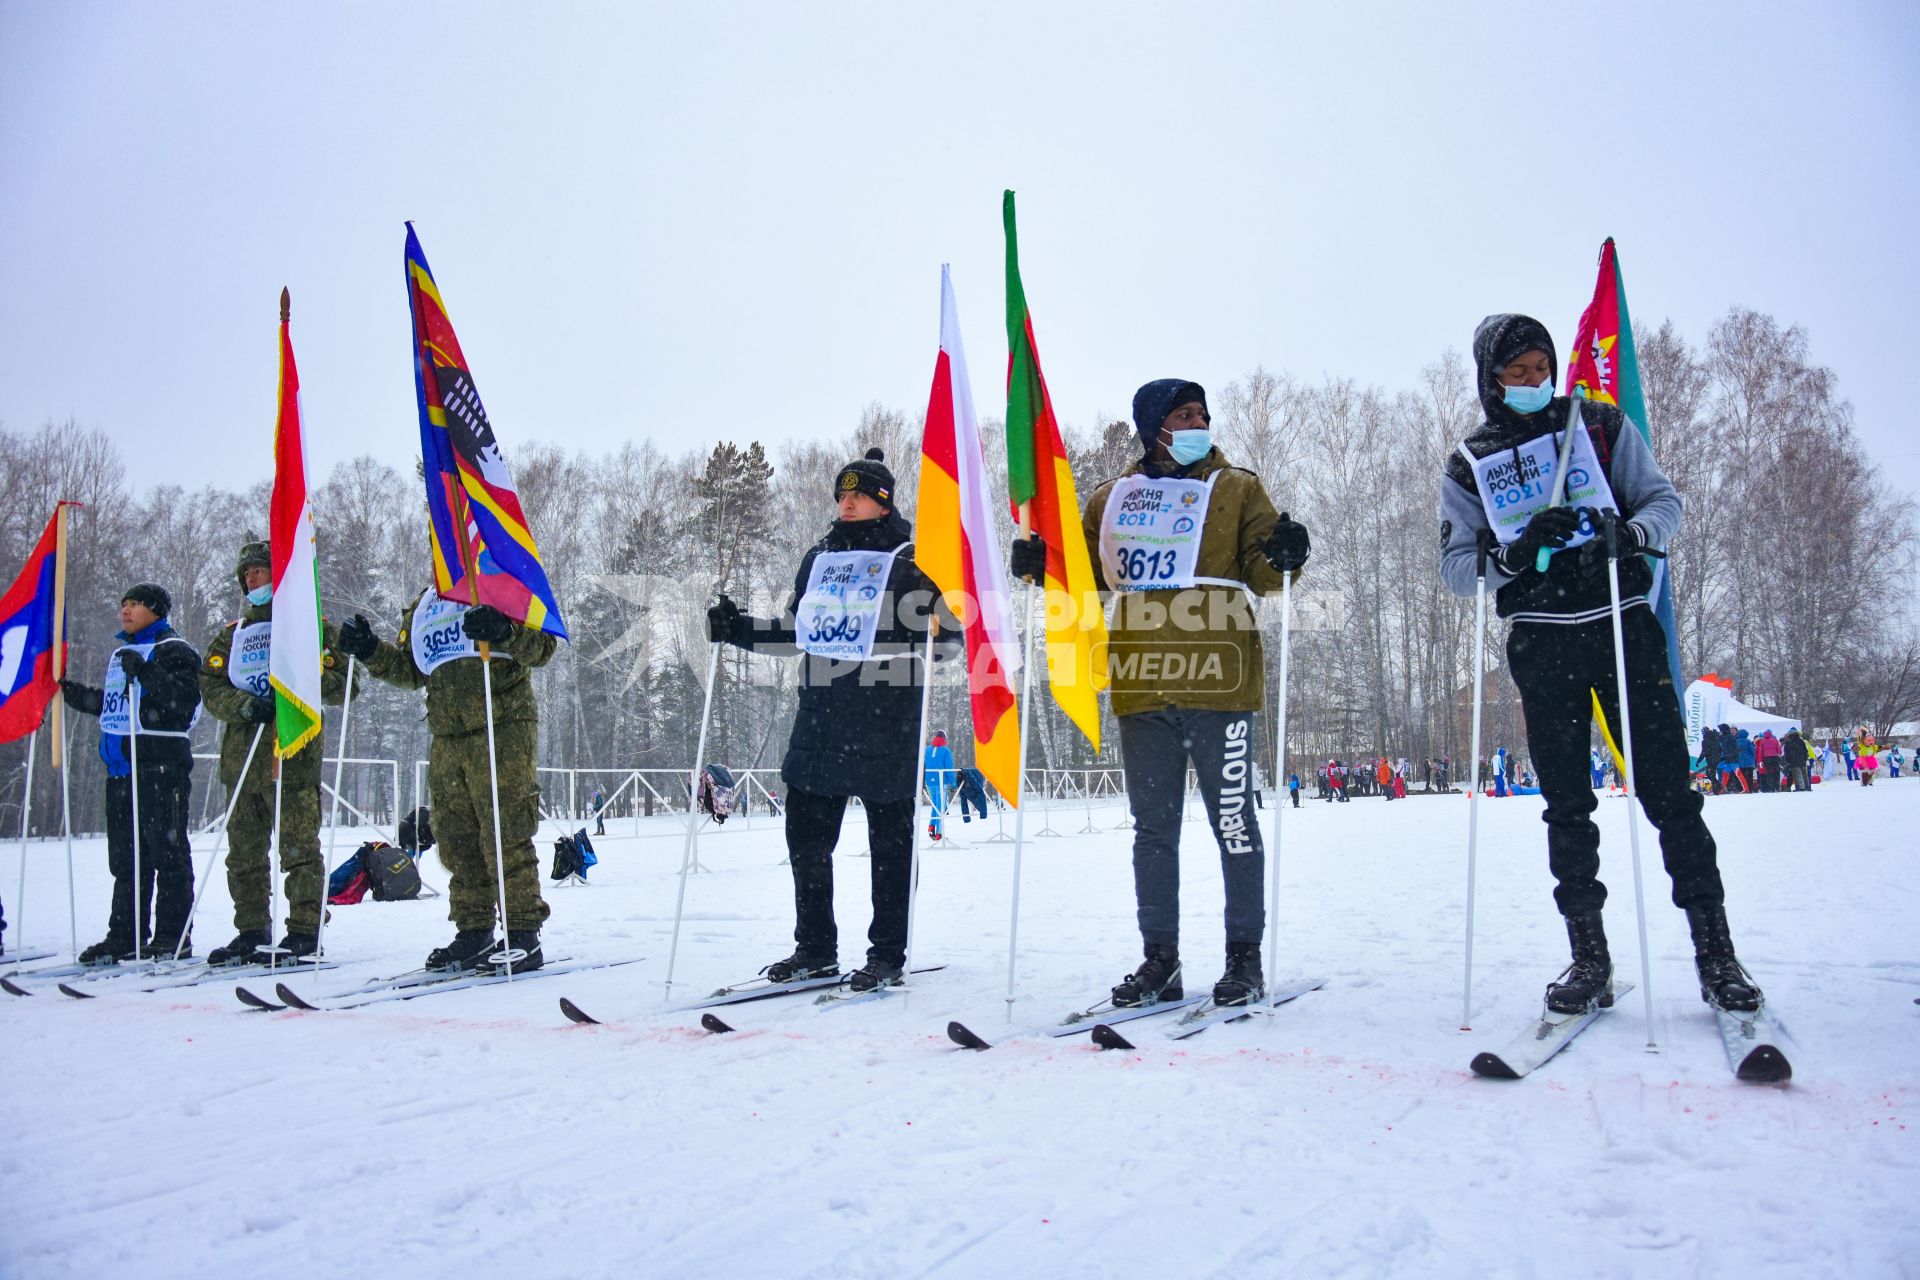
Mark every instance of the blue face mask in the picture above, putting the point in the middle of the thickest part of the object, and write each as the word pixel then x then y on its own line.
pixel 260 595
pixel 1530 399
pixel 1188 447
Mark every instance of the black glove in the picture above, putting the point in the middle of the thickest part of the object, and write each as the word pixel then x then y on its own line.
pixel 132 663
pixel 1550 527
pixel 1287 546
pixel 723 620
pixel 76 692
pixel 357 638
pixel 486 624
pixel 1029 559
pixel 1628 540
pixel 260 710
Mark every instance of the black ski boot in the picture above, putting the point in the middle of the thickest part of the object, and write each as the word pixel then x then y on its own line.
pixel 875 974
pixel 1157 979
pixel 163 948
pixel 240 950
pixel 468 948
pixel 298 946
pixel 1242 983
pixel 1724 982
pixel 1588 981
pixel 527 940
pixel 109 950
pixel 803 964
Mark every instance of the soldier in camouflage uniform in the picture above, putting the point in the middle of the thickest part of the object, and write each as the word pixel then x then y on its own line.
pixel 233 685
pixel 438 649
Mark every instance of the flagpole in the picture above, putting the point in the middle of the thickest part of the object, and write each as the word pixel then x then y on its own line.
pixel 1280 773
pixel 133 795
pixel 26 811
pixel 273 949
pixel 58 746
pixel 1020 777
pixel 333 815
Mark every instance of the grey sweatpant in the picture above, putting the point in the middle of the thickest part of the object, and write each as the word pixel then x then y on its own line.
pixel 1154 749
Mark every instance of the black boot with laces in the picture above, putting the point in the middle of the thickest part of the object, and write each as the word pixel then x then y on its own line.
pixel 875 974
pixel 803 964
pixel 1157 979
pixel 1588 981
pixel 468 948
pixel 1243 982
pixel 1724 981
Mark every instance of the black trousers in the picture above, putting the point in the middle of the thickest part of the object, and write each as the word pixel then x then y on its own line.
pixel 813 829
pixel 166 860
pixel 1555 668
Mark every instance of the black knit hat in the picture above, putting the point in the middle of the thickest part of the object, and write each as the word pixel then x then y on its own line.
pixel 868 475
pixel 254 554
pixel 150 594
pixel 1153 402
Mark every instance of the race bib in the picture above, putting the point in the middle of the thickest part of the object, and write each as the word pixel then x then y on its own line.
pixel 839 611
pixel 116 699
pixel 247 660
pixel 1516 483
pixel 1150 533
pixel 436 636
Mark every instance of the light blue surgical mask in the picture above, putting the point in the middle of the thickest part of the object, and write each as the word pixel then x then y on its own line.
pixel 1188 447
pixel 1530 399
pixel 260 595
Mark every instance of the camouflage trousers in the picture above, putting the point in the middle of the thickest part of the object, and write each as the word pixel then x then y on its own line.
pixel 462 806
pixel 249 836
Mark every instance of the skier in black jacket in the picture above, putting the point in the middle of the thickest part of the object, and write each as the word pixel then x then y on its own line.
pixel 1560 646
pixel 157 671
pixel 858 619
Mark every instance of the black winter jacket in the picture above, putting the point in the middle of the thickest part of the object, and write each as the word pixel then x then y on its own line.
pixel 857 729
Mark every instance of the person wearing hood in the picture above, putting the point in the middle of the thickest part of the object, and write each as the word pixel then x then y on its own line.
pixel 858 619
pixel 1766 750
pixel 438 648
pixel 234 687
pixel 151 693
pixel 1794 759
pixel 1744 749
pixel 939 781
pixel 1188 543
pixel 1560 642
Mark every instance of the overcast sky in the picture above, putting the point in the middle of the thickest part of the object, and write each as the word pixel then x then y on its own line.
pixel 726 221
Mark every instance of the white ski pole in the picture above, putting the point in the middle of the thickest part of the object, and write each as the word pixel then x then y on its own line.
pixel 920 748
pixel 26 810
pixel 1610 529
pixel 693 813
pixel 1484 546
pixel 1280 771
pixel 273 949
pixel 133 795
pixel 219 842
pixel 333 815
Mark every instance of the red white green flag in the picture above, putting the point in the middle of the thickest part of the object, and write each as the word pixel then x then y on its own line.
pixel 293 664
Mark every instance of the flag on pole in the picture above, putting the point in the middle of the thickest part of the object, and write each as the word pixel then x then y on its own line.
pixel 1040 479
pixel 956 545
pixel 483 551
pixel 293 658
pixel 1604 365
pixel 30 639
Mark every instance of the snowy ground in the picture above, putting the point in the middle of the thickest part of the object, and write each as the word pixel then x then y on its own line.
pixel 478 1133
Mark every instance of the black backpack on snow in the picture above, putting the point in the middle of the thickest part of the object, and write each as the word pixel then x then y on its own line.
pixel 392 873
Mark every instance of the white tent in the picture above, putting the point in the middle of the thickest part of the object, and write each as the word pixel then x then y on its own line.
pixel 1710 703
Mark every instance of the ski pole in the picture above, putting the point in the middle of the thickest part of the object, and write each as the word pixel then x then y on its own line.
pixel 333 816
pixel 1020 796
pixel 693 812
pixel 133 795
pixel 1610 530
pixel 219 853
pixel 26 811
pixel 1280 769
pixel 1483 547
pixel 1558 494
pixel 493 781
pixel 920 748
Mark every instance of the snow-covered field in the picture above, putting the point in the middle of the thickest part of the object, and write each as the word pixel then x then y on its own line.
pixel 478 1133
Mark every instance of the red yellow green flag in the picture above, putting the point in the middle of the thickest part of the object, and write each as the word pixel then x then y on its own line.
pixel 1039 480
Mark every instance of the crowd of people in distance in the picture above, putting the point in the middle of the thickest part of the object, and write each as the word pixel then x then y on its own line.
pixel 1735 762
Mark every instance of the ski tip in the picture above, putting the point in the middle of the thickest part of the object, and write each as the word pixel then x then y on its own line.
pixel 1107 1038
pixel 253 1001
pixel 714 1024
pixel 1765 1065
pixel 576 1014
pixel 287 994
pixel 66 990
pixel 1492 1067
pixel 8 985
pixel 964 1037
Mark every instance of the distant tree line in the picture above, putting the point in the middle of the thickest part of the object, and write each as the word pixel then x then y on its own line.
pixel 1794 574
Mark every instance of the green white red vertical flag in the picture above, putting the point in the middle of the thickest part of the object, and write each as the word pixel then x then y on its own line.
pixel 293 664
